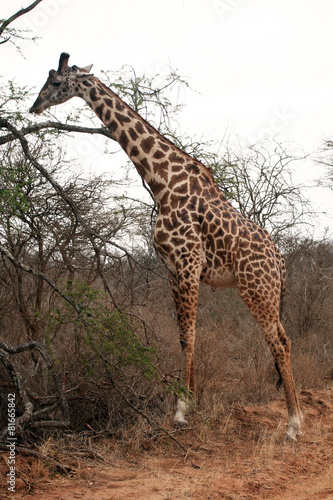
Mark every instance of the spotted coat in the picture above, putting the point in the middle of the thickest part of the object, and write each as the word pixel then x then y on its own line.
pixel 199 235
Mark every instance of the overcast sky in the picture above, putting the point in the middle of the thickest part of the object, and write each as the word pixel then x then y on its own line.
pixel 260 66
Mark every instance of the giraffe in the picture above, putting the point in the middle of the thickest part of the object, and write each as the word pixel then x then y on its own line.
pixel 198 235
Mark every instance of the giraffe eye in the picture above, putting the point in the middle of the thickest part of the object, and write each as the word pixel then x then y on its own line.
pixel 56 84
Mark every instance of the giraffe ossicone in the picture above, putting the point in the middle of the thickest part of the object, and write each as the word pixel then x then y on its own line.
pixel 198 235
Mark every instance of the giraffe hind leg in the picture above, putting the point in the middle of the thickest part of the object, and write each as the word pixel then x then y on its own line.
pixel 264 307
pixel 280 344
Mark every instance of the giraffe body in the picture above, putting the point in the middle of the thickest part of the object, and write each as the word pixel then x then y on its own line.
pixel 198 235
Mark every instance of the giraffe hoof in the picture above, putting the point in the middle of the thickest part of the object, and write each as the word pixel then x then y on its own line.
pixel 180 422
pixel 291 435
pixel 179 418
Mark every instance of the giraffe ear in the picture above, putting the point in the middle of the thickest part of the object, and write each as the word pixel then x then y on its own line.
pixel 76 72
pixel 63 63
pixel 87 68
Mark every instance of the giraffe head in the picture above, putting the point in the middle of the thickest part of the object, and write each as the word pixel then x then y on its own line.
pixel 60 86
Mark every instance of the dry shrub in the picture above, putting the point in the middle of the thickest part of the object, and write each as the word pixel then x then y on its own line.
pixel 233 363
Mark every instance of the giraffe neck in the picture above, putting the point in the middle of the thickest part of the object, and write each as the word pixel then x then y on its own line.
pixel 156 159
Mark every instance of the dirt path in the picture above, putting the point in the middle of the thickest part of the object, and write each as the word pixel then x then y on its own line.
pixel 243 457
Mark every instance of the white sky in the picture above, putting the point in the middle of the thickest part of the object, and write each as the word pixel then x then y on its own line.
pixel 260 66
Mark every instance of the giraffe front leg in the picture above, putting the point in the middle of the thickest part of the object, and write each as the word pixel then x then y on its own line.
pixel 186 299
pixel 187 377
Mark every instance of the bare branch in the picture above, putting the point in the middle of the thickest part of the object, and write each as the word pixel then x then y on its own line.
pixel 151 421
pixel 6 253
pixel 36 127
pixel 28 415
pixel 92 235
pixel 43 456
pixel 17 379
pixel 18 14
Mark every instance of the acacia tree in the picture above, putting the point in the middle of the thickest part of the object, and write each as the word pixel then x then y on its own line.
pixel 309 308
pixel 325 159
pixel 259 181
pixel 60 241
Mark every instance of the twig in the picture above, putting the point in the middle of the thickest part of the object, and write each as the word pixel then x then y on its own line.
pixel 151 421
pixel 16 376
pixel 6 253
pixel 17 15
pixel 28 415
pixel 47 458
pixel 92 235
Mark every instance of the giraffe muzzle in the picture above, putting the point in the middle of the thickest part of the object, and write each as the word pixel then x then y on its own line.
pixel 37 108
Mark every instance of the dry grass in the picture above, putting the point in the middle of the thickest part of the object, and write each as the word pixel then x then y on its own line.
pixel 241 454
pixel 235 425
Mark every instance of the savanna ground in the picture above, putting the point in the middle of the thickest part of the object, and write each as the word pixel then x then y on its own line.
pixel 241 454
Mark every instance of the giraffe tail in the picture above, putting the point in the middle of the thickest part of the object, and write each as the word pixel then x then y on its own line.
pixel 279 382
